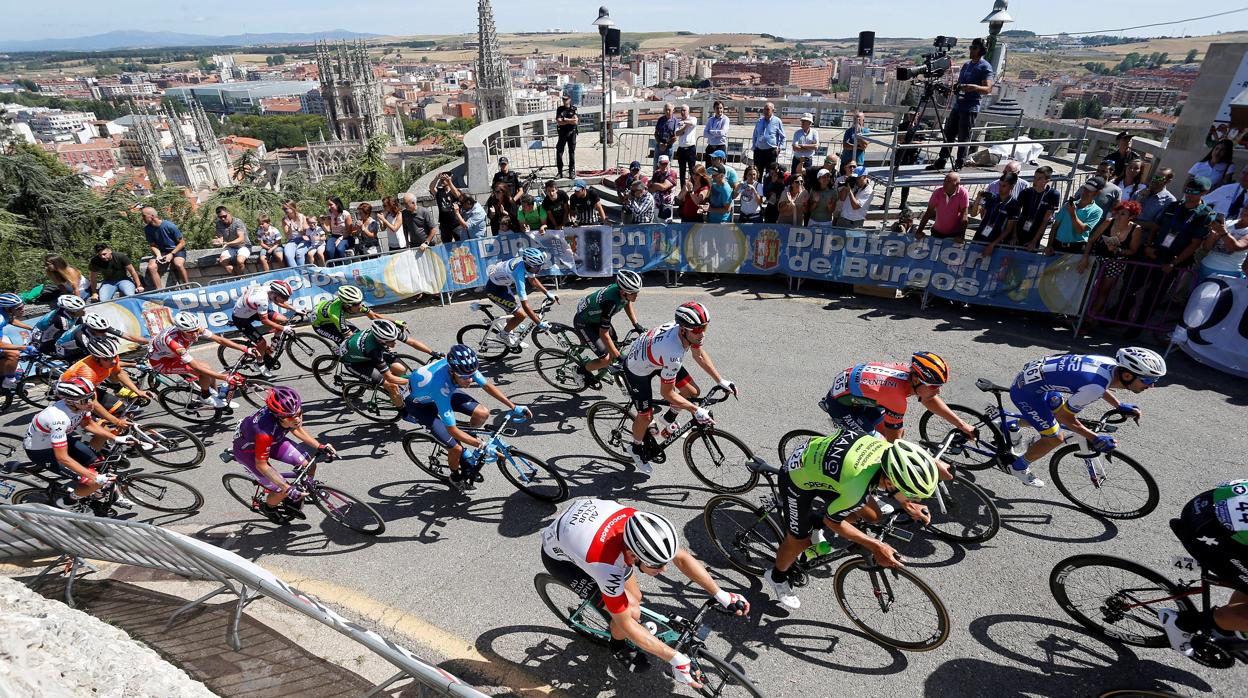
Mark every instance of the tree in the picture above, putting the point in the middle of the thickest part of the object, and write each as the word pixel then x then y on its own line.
pixel 1092 109
pixel 368 171
pixel 246 166
pixel 1191 56
pixel 1127 113
pixel 284 131
pixel 1072 109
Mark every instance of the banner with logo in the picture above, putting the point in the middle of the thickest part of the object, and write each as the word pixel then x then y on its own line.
pixel 1214 330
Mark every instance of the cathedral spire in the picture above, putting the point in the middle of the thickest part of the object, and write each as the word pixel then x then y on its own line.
pixel 494 97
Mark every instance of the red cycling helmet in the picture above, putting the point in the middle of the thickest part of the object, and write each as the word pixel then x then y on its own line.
pixel 284 402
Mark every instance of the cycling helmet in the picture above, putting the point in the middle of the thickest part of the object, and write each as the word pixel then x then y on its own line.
pixel 73 304
pixel 692 314
pixel 188 322
pixel 75 389
pixel 652 538
pixel 279 288
pixel 534 259
pixel 11 300
pixel 929 368
pixel 350 295
pixel 284 402
pixel 95 321
pixel 462 360
pixel 385 331
pixel 911 469
pixel 1141 362
pixel 105 347
pixel 628 281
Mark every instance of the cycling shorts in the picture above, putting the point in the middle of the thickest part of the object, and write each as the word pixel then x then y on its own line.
pixel 78 449
pixel 592 338
pixel 426 415
pixel 282 453
pixel 171 366
pixel 862 419
pixel 251 327
pixel 1038 407
pixel 800 515
pixel 569 573
pixel 502 296
pixel 641 388
pixel 333 333
pixel 366 370
pixel 1209 541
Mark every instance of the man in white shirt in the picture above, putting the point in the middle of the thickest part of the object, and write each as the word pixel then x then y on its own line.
pixel 1228 199
pixel 716 131
pixel 805 142
pixel 854 200
pixel 686 136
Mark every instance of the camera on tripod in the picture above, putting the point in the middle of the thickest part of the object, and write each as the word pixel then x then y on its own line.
pixel 934 64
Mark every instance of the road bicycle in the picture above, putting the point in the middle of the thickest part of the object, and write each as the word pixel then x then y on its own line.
pixel 961 511
pixel 893 606
pixel 303 348
pixel 1119 599
pixel 361 394
pixel 530 474
pixel 162 444
pixel 715 457
pixel 590 620
pixel 489 339
pixel 36 378
pixel 561 368
pixel 183 400
pixel 1112 485
pixel 345 509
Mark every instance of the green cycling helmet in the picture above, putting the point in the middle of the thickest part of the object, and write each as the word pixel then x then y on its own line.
pixel 911 469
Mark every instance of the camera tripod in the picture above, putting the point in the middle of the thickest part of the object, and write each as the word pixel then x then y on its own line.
pixel 934 93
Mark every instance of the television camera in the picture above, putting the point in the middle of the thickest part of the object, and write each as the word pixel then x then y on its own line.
pixel 934 64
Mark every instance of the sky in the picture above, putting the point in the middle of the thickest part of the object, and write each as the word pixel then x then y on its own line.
pixel 789 18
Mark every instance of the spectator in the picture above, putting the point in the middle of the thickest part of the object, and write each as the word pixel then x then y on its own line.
pixel 974 81
pixel 367 230
pixel 908 133
pixel 686 141
pixel 624 183
pixel 392 222
pixel 800 171
pixel 719 203
pixel 695 195
pixel 507 177
pixel 510 225
pixel 1115 240
pixel 529 216
pixel 1000 211
pixel 639 206
pixel 720 159
pixel 269 238
pixel 112 274
pixel 445 196
pixel 792 203
pixel 499 205
pixel 586 205
pixel 420 224
pixel 1009 180
pixel 474 225
pixel 805 143
pixel 65 279
pixel 1217 166
pixel 298 239
pixel 774 188
pixel 716 130
pixel 1155 199
pixel 846 173
pixel 1228 199
pixel 904 223
pixel 236 244
pixel 1110 193
pixel 340 225
pixel 566 122
pixel 665 134
pixel 831 163
pixel 167 245
pixel 947 209
pixel 1227 246
pixel 557 207
pixel 318 236
pixel 768 137
pixel 1132 180
pixel 1075 222
pixel 822 201
pixel 294 224
pixel 751 194
pixel 855 200
pixel 1122 155
pixel 663 186
pixel 853 148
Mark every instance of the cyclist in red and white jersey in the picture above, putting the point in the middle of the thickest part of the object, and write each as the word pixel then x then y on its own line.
pixel 595 545
pixel 255 310
pixel 169 353
pixel 50 442
pixel 660 352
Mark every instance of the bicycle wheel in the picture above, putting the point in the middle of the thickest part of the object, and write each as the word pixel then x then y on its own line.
pixel 254 391
pixel 161 493
pixel 963 513
pixel 304 348
pixel 532 476
pixel 428 454
pixel 560 370
pixel 719 678
pixel 743 533
pixel 893 606
pixel 612 427
pixel 183 401
pixel 1123 489
pixel 979 454
pixel 1139 693
pixel 489 344
pixel 37 389
pixel 242 488
pixel 790 442
pixel 370 402
pixel 559 337
pixel 229 357
pixel 720 460
pixel 172 447
pixel 325 370
pixel 347 510
pixel 1116 598
pixel 583 616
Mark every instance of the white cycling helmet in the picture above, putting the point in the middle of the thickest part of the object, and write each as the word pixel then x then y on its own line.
pixel 1141 362
pixel 188 322
pixel 911 469
pixel 103 347
pixel 73 304
pixel 652 538
pixel 95 321
pixel 386 331
pixel 75 389
pixel 629 281
pixel 351 295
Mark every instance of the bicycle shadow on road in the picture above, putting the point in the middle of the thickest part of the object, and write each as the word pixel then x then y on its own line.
pixel 381 439
pixel 252 538
pixel 569 663
pixel 516 515
pixel 557 413
pixel 1059 522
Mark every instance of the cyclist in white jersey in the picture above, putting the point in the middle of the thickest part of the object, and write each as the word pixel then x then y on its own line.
pixel 660 352
pixel 50 442
pixel 507 286
pixel 595 545
pixel 170 354
pixel 255 310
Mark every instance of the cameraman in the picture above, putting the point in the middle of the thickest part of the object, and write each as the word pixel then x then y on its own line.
pixel 974 81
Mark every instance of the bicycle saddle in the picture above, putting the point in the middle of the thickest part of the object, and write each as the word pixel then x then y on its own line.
pixel 760 466
pixel 989 387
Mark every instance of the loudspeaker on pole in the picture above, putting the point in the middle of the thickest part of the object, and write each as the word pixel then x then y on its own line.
pixel 866 44
pixel 613 42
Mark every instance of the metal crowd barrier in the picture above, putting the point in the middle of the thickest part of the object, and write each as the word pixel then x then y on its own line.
pixel 1141 296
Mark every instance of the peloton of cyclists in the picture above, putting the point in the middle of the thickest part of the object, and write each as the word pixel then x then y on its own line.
pixel 592 321
pixel 369 354
pixel 169 354
pixel 255 314
pixel 101 367
pixel 49 328
pixel 507 286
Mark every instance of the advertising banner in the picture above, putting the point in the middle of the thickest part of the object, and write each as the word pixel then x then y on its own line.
pixel 1214 330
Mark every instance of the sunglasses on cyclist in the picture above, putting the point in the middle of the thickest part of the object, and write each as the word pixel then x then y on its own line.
pixel 1146 381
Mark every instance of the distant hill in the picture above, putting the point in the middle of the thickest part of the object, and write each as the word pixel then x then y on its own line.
pixel 141 39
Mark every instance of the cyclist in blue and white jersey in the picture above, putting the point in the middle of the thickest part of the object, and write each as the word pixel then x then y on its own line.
pixel 72 346
pixel 51 327
pixel 12 307
pixel 507 286
pixel 1050 392
pixel 434 395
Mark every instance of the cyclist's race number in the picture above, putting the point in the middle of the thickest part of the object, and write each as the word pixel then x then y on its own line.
pixel 1185 563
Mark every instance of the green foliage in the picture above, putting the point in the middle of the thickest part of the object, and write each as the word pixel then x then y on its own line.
pixel 278 59
pixel 103 110
pixel 277 131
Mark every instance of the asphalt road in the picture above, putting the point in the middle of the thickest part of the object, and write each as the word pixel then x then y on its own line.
pixel 465 564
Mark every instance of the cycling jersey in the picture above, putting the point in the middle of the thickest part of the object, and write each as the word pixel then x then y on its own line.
pixel 508 277
pixel 844 466
pixel 49 328
pixel 254 301
pixel 659 350
pixel 173 343
pixel 1069 381
pixel 332 312
pixel 91 369
pixel 53 425
pixel 433 384
pixel 262 438
pixel 364 348
pixel 1213 527
pixel 590 535
pixel 73 344
pixel 597 309
pixel 874 385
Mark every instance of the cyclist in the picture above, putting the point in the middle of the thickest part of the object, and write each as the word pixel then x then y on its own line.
pixel 50 442
pixel 597 544
pixel 1214 529
pixel 170 355
pixel 435 393
pixel 593 319
pixel 846 466
pixel 265 438
pixel 329 318
pixel 1051 391
pixel 660 352
pixel 872 397
pixel 255 310
pixel 507 286
pixel 101 366
pixel 72 346
pixel 50 327
pixel 12 308
pixel 369 354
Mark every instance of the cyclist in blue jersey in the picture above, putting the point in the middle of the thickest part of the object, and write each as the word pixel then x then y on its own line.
pixel 434 396
pixel 507 286
pixel 50 327
pixel 1051 391
pixel 12 307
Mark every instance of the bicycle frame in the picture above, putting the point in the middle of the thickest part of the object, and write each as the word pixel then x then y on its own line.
pixel 680 633
pixel 714 396
pixel 495 439
pixel 525 327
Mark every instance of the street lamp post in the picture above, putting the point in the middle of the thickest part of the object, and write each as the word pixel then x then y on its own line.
pixel 604 22
pixel 996 21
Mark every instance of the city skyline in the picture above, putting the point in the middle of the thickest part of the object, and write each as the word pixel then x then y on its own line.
pixel 905 18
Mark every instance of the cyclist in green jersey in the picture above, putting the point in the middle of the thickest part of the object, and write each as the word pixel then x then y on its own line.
pixel 846 467
pixel 593 319
pixel 329 318
pixel 370 355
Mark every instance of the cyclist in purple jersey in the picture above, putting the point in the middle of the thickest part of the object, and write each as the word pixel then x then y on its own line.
pixel 265 436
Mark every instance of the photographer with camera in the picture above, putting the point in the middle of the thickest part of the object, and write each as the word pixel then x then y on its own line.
pixel 974 81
